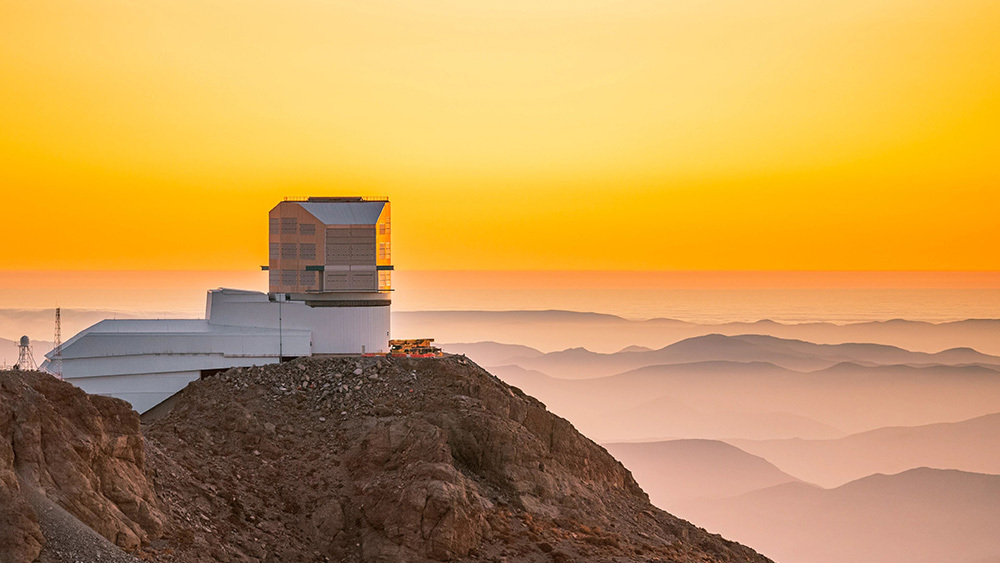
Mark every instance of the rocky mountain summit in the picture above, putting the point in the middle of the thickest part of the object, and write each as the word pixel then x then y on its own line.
pixel 337 459
pixel 69 462
pixel 396 460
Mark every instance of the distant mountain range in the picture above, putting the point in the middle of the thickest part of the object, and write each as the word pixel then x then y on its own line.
pixel 558 330
pixel 754 399
pixel 492 353
pixel 684 470
pixel 799 355
pixel 970 445
pixel 656 403
pixel 918 516
pixel 912 485
pixel 668 415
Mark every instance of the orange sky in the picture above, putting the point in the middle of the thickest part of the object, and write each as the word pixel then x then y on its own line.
pixel 524 134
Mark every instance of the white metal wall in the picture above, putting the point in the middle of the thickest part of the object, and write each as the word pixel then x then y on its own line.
pixel 142 391
pixel 335 330
pixel 339 330
pixel 77 368
pixel 147 361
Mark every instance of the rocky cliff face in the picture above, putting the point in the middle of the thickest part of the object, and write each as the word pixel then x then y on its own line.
pixel 396 460
pixel 82 452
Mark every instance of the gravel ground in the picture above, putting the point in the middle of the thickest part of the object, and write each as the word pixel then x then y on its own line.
pixel 70 541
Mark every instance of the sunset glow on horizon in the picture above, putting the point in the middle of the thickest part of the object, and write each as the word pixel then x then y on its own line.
pixel 588 135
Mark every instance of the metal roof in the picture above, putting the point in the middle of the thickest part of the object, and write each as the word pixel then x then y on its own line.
pixel 197 336
pixel 345 213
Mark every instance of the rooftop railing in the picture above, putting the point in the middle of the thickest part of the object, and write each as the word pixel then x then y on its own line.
pixel 337 199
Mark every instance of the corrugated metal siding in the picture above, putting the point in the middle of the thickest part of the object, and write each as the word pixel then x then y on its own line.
pixel 343 232
pixel 336 280
pixel 349 330
pixel 295 342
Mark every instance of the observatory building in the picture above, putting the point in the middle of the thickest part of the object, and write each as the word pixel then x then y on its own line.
pixel 329 270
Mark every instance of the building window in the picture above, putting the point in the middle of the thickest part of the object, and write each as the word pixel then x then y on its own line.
pixel 387 228
pixel 289 225
pixel 307 229
pixel 272 225
pixel 272 251
pixel 288 277
pixel 288 250
pixel 381 250
pixel 307 251
pixel 388 254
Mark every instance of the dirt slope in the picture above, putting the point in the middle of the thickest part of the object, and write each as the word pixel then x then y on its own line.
pixel 396 460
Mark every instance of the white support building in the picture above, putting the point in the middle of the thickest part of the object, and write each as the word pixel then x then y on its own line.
pixel 338 303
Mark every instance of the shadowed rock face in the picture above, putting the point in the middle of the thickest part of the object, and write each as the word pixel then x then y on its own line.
pixel 397 460
pixel 83 452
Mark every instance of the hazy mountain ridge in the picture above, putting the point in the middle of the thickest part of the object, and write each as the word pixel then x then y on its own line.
pixel 634 348
pixel 679 470
pixel 923 370
pixel 918 516
pixel 491 353
pixel 39 324
pixel 558 330
pixel 847 397
pixel 799 355
pixel 971 445
pixel 550 330
pixel 910 395
pixel 669 415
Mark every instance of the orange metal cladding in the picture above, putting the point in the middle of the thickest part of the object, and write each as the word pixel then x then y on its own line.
pixel 383 240
pixel 307 254
pixel 286 221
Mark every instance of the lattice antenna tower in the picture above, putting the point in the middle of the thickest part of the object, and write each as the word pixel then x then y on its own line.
pixel 56 363
pixel 25 359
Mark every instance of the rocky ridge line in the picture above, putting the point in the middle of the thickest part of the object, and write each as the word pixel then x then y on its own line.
pixel 381 459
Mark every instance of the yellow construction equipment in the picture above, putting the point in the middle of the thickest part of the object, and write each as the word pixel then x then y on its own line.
pixel 414 348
